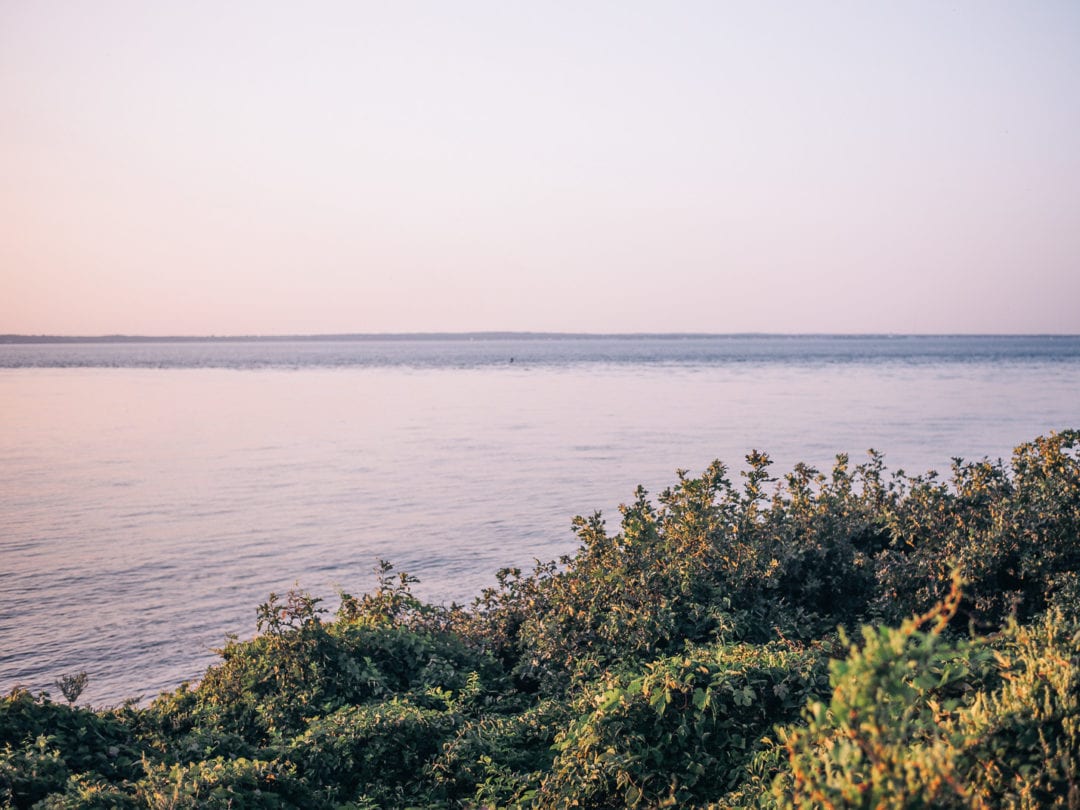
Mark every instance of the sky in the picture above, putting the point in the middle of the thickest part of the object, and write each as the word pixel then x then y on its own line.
pixel 299 168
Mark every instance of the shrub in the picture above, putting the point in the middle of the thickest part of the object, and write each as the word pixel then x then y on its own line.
pixel 374 749
pixel 46 742
pixel 225 784
pixel 919 720
pixel 499 760
pixel 274 684
pixel 651 668
pixel 682 730
pixel 31 771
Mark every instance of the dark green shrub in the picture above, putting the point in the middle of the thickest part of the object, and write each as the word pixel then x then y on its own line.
pixel 1012 534
pixel 275 683
pixel 31 771
pixel 373 749
pixel 85 792
pixel 225 784
pixel 496 621
pixel 499 760
pixel 683 730
pixel 639 593
pixel 44 743
pixel 820 535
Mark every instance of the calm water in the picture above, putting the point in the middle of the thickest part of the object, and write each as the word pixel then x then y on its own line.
pixel 152 494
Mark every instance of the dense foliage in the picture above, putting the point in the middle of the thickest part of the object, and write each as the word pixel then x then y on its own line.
pixel 850 639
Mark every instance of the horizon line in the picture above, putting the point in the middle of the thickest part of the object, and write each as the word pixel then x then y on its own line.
pixel 14 338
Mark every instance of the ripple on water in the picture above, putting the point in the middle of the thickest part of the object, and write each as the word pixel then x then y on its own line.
pixel 136 538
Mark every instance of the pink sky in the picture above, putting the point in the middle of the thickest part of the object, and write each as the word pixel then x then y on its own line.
pixel 272 167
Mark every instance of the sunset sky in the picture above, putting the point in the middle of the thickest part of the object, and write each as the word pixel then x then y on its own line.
pixel 281 167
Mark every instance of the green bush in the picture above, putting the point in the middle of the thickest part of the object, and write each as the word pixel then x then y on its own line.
pixel 682 730
pixel 500 760
pixel 225 784
pixel 31 771
pixel 45 743
pixel 680 660
pixel 274 684
pixel 85 792
pixel 920 720
pixel 375 749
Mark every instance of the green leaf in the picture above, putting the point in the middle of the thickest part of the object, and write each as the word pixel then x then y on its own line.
pixel 701 699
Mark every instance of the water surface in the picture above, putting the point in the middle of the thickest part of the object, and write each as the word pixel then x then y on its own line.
pixel 153 494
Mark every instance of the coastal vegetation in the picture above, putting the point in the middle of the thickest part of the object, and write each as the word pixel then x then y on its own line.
pixel 848 638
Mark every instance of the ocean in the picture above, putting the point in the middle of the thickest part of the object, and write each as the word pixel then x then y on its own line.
pixel 152 494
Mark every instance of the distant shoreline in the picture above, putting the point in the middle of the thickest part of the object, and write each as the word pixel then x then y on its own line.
pixel 434 336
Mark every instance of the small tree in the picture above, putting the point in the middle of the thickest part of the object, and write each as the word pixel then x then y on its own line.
pixel 71 686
